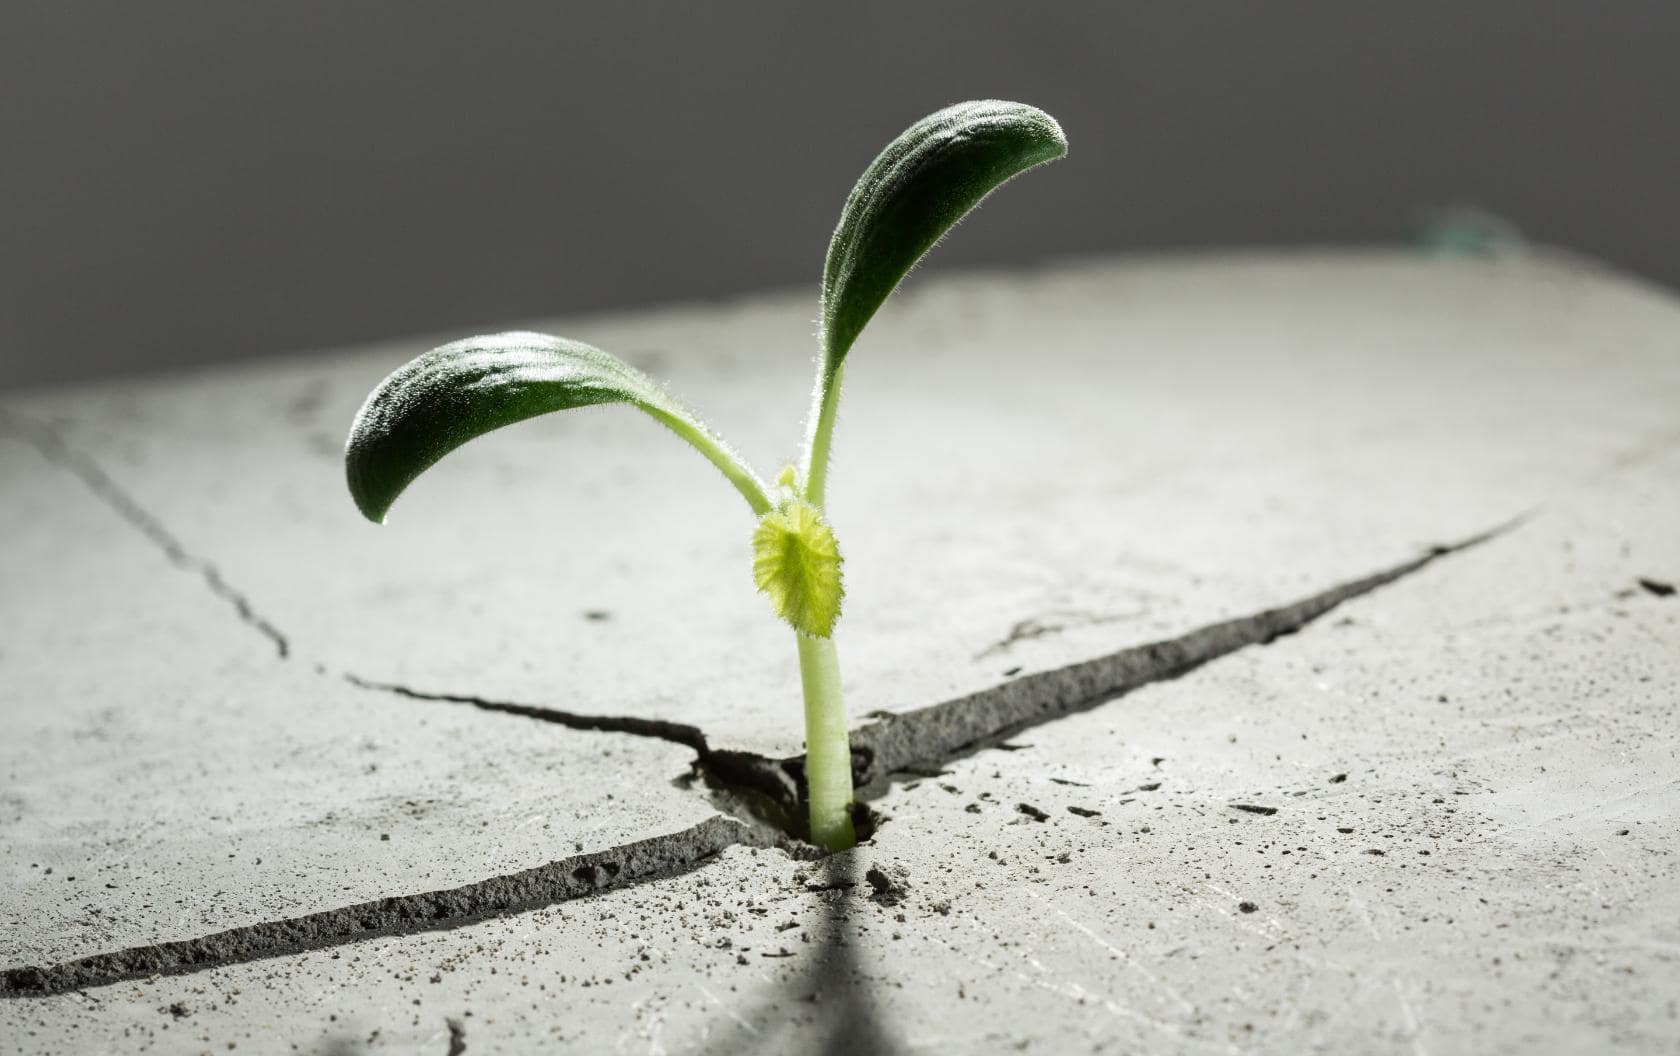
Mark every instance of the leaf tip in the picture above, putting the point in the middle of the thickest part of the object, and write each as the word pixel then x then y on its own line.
pixel 924 182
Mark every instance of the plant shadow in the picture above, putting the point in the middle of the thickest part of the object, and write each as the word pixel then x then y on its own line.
pixel 827 1007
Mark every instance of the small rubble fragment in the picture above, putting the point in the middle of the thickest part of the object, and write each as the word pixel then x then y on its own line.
pixel 888 890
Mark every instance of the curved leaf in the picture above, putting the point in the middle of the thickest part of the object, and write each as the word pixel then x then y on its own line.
pixel 438 401
pixel 926 180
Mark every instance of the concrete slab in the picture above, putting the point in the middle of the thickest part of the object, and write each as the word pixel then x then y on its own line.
pixel 1441 821
pixel 1030 471
pixel 167 777
pixel 1244 433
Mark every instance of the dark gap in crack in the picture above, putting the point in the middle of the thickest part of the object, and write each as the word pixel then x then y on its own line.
pixel 894 744
pixel 758 790
pixel 770 792
pixel 518 892
pixel 942 732
pixel 660 729
pixel 53 447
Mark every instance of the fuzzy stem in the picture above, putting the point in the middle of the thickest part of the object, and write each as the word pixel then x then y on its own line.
pixel 828 753
pixel 718 454
pixel 820 433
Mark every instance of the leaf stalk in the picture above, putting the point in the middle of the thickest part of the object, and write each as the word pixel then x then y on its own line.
pixel 720 455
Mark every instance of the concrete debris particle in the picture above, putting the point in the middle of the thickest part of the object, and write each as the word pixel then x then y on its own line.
pixel 887 891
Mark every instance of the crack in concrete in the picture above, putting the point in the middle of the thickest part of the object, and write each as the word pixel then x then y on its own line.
pixel 660 729
pixel 897 742
pixel 894 744
pixel 941 732
pixel 731 771
pixel 519 892
pixel 52 446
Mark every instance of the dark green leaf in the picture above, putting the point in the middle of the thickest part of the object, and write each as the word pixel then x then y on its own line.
pixel 440 400
pixel 926 180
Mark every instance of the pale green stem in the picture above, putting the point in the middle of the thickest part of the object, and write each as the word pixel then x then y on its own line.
pixel 820 434
pixel 718 454
pixel 828 755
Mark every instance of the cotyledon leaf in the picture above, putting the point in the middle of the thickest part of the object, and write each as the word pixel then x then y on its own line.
pixel 439 400
pixel 926 180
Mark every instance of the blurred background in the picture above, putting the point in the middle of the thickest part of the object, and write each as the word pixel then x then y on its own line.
pixel 186 183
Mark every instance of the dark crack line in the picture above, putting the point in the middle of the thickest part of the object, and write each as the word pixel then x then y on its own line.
pixel 771 785
pixel 518 892
pixel 900 741
pixel 52 447
pixel 941 732
pixel 677 732
pixel 890 745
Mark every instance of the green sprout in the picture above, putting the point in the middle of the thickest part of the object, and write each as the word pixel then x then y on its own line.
pixel 925 181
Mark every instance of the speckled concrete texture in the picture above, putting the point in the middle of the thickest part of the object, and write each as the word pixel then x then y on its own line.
pixel 167 777
pixel 1057 464
pixel 1345 788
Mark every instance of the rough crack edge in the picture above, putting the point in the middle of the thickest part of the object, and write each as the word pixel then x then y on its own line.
pixel 519 892
pixel 52 447
pixel 943 731
pixel 771 783
pixel 880 749
pixel 897 742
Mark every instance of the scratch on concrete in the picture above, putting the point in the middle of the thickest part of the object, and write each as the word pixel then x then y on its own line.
pixel 1049 624
pixel 680 733
pixel 53 447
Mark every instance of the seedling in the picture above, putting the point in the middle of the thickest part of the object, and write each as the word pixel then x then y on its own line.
pixel 925 181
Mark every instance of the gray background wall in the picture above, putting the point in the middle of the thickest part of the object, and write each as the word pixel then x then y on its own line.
pixel 186 182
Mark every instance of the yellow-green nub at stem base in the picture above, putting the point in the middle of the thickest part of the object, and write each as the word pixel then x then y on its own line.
pixel 796 564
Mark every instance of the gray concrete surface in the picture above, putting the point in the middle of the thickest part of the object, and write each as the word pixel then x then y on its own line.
pixel 166 778
pixel 1052 464
pixel 1193 441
